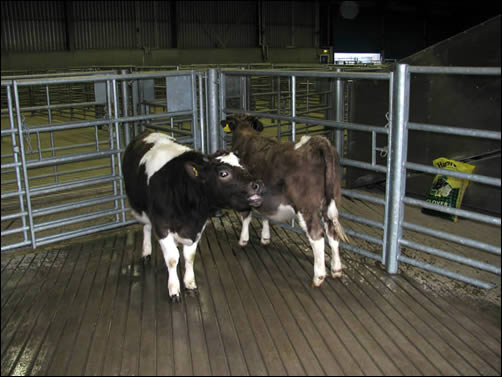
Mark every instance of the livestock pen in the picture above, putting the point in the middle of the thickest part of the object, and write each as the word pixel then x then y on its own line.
pixel 76 298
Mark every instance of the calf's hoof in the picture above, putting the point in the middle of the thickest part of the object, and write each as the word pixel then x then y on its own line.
pixel 146 259
pixel 318 280
pixel 175 299
pixel 243 243
pixel 337 274
pixel 265 241
pixel 192 292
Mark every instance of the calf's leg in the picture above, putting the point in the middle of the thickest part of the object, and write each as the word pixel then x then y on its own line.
pixel 265 232
pixel 189 255
pixel 246 218
pixel 311 224
pixel 147 241
pixel 171 257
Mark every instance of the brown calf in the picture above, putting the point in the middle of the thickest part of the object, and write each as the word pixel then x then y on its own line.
pixel 301 179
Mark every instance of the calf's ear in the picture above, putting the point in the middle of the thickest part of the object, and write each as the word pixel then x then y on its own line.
pixel 228 125
pixel 194 171
pixel 257 125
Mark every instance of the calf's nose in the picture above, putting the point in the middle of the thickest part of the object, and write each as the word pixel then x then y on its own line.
pixel 256 187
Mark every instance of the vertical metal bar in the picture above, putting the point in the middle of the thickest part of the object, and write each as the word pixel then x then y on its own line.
pixel 195 116
pixel 222 105
pixel 201 112
pixel 387 186
pixel 293 115
pixel 111 137
pixel 117 147
pixel 15 152
pixel 135 104
pixel 213 110
pixel 293 108
pixel 397 175
pixel 340 111
pixel 125 109
pixel 279 107
pixel 23 162
pixel 49 116
pixel 373 148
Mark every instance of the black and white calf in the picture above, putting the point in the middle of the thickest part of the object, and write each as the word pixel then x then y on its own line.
pixel 173 190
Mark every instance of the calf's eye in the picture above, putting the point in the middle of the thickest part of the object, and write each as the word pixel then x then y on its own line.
pixel 223 174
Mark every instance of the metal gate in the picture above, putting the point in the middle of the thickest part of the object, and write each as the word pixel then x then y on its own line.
pixel 62 140
pixel 292 103
pixel 63 136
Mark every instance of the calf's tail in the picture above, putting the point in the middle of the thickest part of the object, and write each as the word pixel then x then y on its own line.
pixel 332 182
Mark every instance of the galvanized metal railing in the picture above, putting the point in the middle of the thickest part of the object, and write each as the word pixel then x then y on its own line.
pixel 399 168
pixel 61 176
pixel 115 106
pixel 393 223
pixel 337 124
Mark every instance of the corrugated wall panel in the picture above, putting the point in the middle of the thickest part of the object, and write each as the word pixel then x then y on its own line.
pixel 216 24
pixel 41 26
pixel 104 24
pixel 33 26
pixel 289 23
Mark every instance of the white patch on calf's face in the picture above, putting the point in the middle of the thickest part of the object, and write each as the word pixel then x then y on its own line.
pixel 230 159
pixel 164 149
pixel 304 140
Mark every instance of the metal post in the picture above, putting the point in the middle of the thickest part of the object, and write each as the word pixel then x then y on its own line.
pixel 23 162
pixel 396 178
pixel 340 110
pixel 222 105
pixel 125 109
pixel 293 108
pixel 196 132
pixel 213 121
pixel 201 112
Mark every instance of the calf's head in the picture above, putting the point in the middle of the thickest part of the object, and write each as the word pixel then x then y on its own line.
pixel 242 124
pixel 228 183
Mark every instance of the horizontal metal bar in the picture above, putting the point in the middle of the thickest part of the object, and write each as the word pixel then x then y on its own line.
pixel 12 194
pixel 341 75
pixel 81 232
pixel 11 247
pixel 456 174
pixel 450 256
pixel 360 196
pixel 8 131
pixel 360 251
pixel 490 71
pixel 54 75
pixel 14 231
pixel 14 216
pixel 57 106
pixel 10 165
pixel 363 236
pixel 73 125
pixel 317 122
pixel 454 211
pixel 74 184
pixel 363 165
pixel 75 205
pixel 442 271
pixel 72 158
pixel 361 220
pixel 98 78
pixel 453 238
pixel 454 130
pixel 75 219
